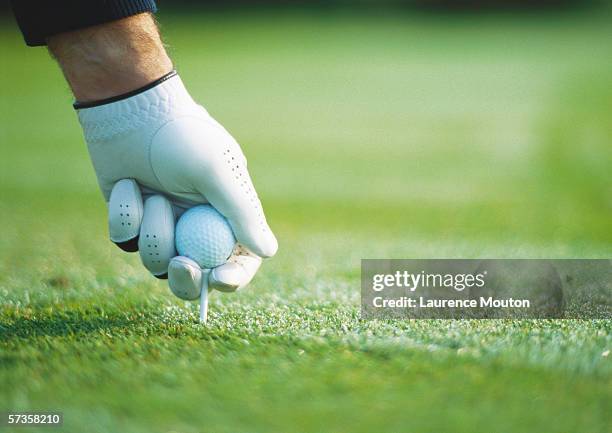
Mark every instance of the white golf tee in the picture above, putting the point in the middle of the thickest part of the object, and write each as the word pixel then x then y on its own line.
pixel 204 296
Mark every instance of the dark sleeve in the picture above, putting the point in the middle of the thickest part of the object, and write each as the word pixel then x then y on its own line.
pixel 39 19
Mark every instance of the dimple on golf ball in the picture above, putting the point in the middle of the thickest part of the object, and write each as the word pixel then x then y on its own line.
pixel 205 236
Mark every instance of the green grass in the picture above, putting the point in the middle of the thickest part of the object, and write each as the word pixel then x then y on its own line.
pixel 384 136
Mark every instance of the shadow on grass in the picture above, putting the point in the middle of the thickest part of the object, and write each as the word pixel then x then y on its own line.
pixel 71 322
pixel 133 322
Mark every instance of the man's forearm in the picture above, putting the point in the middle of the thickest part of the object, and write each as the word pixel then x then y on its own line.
pixel 111 59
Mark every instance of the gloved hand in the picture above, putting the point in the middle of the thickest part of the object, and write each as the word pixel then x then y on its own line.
pixel 165 154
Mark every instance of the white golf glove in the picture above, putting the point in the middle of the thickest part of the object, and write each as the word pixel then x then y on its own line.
pixel 159 146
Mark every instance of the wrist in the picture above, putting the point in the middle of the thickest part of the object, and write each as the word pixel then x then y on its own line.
pixel 98 102
pixel 111 59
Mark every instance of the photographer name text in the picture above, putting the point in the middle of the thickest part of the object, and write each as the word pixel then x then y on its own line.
pixel 421 302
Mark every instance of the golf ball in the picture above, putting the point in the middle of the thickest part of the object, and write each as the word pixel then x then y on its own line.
pixel 205 236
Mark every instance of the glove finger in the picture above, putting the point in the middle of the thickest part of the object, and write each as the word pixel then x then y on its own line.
pixel 156 241
pixel 236 273
pixel 185 278
pixel 125 212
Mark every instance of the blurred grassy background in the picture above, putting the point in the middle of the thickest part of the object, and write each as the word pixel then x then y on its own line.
pixel 442 127
pixel 373 133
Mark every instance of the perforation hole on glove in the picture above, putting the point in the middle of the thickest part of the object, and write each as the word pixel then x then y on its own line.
pixel 246 186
